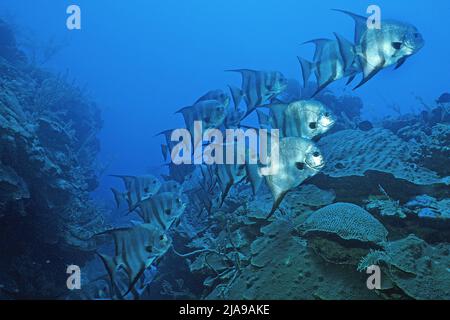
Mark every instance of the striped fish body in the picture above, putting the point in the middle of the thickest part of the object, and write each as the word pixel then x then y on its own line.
pixel 229 175
pixel 162 210
pixel 211 113
pixel 170 186
pixel 258 87
pixel 233 116
pixel 329 64
pixel 136 248
pixel 180 172
pixel 333 60
pixel 304 118
pixel 216 95
pixel 391 44
pixel 137 188
pixel 381 48
pixel 299 160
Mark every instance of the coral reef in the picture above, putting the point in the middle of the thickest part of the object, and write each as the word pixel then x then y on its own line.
pixel 48 149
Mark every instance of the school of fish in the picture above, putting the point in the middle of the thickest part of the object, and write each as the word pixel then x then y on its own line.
pixel 161 201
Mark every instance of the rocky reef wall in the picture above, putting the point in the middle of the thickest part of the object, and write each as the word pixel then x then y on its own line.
pixel 48 149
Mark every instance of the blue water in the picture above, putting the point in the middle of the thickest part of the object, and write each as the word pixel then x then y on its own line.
pixel 145 59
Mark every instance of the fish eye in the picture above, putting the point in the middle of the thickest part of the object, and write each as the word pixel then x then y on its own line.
pixel 168 211
pixel 397 45
pixel 316 154
pixel 149 248
pixel 162 237
pixel 313 125
pixel 300 165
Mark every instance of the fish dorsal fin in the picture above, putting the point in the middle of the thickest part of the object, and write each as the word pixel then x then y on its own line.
pixel 243 72
pixel 319 43
pixel 360 24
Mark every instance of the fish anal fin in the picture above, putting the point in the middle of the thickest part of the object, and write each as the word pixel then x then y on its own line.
pixel 277 203
pixel 350 79
pixel 400 63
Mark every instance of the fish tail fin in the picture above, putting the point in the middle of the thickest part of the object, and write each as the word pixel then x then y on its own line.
pixel 118 197
pixel 236 95
pixel 307 68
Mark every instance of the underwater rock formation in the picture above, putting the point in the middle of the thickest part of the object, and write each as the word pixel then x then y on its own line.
pixel 48 149
pixel 347 221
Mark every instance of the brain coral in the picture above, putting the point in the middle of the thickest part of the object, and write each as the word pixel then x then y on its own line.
pixel 354 152
pixel 348 221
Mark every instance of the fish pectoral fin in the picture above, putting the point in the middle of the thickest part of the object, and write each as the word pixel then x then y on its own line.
pixel 277 203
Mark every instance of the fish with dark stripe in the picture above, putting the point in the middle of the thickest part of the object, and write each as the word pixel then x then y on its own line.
pixel 304 118
pixel 137 188
pixel 162 210
pixel 135 249
pixel 376 49
pixel 258 88
pixel 328 64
